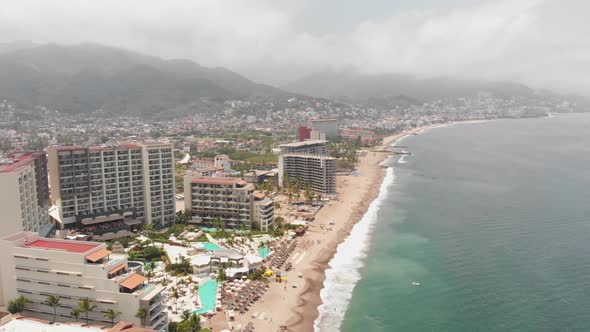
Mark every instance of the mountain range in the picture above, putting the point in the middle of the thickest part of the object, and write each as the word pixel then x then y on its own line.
pixel 91 79
pixel 86 78
pixel 351 85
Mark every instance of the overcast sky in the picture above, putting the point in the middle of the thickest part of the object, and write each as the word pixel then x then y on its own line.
pixel 545 43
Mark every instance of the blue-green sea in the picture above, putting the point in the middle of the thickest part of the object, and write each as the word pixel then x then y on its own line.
pixel 492 219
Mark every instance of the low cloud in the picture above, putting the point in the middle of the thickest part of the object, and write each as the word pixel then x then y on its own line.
pixel 540 42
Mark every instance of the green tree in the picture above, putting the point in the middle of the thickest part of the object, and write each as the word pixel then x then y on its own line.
pixel 189 324
pixel 85 307
pixel 221 273
pixel 17 305
pixel 176 296
pixel 142 314
pixel 112 315
pixel 53 301
pixel 75 313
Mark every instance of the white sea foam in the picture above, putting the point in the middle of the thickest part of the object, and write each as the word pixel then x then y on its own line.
pixel 343 273
pixel 399 140
pixel 402 160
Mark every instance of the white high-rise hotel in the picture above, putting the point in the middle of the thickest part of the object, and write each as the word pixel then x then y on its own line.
pixel 126 183
pixel 24 198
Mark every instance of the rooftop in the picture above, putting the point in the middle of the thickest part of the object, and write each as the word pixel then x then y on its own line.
pixel 310 156
pixel 217 180
pixel 62 245
pixel 15 161
pixel 304 143
pixel 110 147
pixel 32 325
pixel 323 120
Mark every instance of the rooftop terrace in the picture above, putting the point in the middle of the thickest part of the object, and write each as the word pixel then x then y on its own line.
pixel 62 245
pixel 16 160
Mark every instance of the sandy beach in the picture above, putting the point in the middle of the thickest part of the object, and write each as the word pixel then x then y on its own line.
pixel 294 305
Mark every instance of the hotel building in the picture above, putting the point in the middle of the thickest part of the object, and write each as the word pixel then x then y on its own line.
pixel 231 200
pixel 120 185
pixel 24 198
pixel 35 268
pixel 327 126
pixel 309 162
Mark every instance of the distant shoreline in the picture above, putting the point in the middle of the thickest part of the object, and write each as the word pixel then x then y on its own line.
pixel 297 308
pixel 305 311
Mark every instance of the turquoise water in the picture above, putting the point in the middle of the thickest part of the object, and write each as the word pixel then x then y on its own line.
pixel 263 252
pixel 493 220
pixel 207 295
pixel 213 230
pixel 211 246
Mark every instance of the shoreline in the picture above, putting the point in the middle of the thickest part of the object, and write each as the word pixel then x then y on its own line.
pixel 295 306
pixel 306 310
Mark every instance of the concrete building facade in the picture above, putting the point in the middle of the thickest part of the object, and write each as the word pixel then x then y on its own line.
pixel 231 200
pixel 326 126
pixel 319 171
pixel 35 268
pixel 24 199
pixel 309 162
pixel 122 184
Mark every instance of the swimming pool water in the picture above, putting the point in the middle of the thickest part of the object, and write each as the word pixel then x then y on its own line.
pixel 207 295
pixel 263 252
pixel 210 246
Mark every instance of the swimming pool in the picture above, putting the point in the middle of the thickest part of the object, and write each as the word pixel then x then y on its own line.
pixel 210 246
pixel 263 252
pixel 207 295
pixel 213 230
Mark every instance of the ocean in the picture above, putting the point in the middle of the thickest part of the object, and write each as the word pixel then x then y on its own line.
pixel 492 219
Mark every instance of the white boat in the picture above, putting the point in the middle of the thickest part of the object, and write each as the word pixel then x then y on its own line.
pixel 414 283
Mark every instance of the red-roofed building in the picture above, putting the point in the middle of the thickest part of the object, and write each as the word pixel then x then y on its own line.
pixel 36 267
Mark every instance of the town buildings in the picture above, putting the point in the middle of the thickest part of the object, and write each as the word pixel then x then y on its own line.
pixel 309 162
pixel 303 133
pixel 36 267
pixel 327 126
pixel 111 188
pixel 24 199
pixel 232 201
pixel 365 136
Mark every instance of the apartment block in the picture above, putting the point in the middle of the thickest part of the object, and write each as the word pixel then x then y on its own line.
pixel 231 200
pixel 35 268
pixel 307 147
pixel 319 171
pixel 106 188
pixel 24 198
pixel 309 162
pixel 327 126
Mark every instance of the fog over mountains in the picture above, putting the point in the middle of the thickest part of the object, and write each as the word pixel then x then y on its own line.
pixel 86 78
pixel 355 86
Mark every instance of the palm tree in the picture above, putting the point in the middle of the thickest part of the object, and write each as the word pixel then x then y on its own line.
pixel 17 305
pixel 53 301
pixel 194 322
pixel 112 315
pixel 85 306
pixel 75 313
pixel 176 296
pixel 148 274
pixel 142 314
